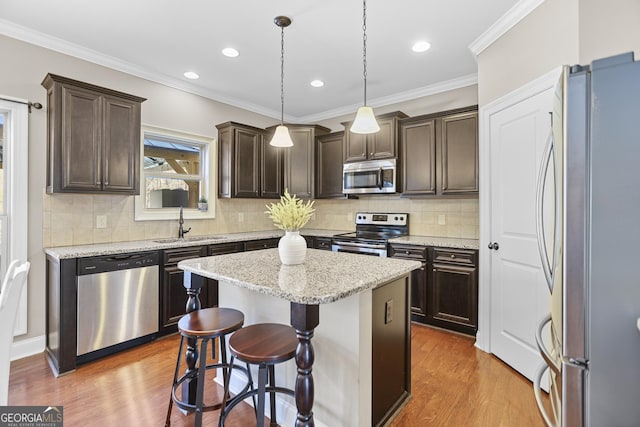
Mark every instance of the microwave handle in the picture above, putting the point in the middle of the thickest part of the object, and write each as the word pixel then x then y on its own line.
pixel 380 178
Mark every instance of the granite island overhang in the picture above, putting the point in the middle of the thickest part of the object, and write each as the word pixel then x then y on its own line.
pixel 361 361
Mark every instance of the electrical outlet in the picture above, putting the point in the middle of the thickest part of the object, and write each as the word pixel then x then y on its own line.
pixel 388 311
pixel 240 216
pixel 442 219
pixel 101 221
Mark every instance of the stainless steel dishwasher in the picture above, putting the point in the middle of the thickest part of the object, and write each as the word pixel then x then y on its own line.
pixel 117 302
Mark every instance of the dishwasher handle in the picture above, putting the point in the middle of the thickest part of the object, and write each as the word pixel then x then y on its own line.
pixel 115 262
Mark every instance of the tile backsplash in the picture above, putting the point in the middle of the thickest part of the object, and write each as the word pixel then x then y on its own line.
pixel 70 219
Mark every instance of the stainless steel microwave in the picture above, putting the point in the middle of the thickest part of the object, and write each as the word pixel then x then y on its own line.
pixel 369 177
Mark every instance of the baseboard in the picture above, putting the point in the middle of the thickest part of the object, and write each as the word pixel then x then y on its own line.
pixel 28 347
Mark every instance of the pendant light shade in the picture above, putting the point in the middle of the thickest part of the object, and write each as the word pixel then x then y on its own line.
pixel 365 121
pixel 281 137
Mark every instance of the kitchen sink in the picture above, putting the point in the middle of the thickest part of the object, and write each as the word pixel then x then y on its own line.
pixel 186 239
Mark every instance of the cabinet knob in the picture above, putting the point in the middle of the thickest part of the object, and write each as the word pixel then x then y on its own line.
pixel 407 252
pixel 434 270
pixel 371 154
pixel 453 255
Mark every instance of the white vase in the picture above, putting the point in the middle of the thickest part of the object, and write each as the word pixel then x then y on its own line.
pixel 292 248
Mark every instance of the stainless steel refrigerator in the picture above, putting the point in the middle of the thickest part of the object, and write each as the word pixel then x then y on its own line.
pixel 589 239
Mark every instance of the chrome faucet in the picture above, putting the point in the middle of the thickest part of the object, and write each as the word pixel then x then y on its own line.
pixel 181 230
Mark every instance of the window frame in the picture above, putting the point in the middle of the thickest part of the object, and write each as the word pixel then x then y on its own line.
pixel 207 183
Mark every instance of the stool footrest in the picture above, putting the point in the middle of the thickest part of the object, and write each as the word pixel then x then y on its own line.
pixel 190 407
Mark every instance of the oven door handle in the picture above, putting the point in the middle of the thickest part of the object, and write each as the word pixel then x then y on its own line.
pixel 358 245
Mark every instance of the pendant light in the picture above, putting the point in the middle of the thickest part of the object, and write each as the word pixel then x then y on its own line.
pixel 365 121
pixel 281 138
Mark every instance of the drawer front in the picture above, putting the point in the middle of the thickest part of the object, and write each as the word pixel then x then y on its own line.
pixel 174 256
pixel 261 244
pixel 456 256
pixel 323 243
pixel 408 251
pixel 226 248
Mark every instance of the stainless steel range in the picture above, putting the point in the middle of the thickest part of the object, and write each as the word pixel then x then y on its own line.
pixel 373 230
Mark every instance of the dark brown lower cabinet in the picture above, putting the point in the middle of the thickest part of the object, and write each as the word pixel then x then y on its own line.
pixel 419 298
pixel 453 288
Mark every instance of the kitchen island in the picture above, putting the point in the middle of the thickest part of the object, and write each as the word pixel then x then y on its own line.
pixel 359 372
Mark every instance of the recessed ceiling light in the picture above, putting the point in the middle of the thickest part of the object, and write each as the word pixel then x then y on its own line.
pixel 317 83
pixel 230 52
pixel 421 46
pixel 191 75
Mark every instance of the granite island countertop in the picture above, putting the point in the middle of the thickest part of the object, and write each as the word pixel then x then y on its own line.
pixel 324 277
pixel 443 242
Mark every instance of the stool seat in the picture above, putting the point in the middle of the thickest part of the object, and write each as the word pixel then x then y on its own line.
pixel 268 343
pixel 209 322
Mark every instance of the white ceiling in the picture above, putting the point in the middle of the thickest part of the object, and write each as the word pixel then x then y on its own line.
pixel 161 39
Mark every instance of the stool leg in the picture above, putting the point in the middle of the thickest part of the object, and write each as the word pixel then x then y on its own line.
pixel 272 396
pixel 253 396
pixel 167 422
pixel 202 368
pixel 226 379
pixel 226 376
pixel 262 379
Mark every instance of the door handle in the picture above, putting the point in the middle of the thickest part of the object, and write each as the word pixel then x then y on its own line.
pixel 495 246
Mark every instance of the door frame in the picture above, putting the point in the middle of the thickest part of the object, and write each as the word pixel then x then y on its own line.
pixel 16 155
pixel 540 84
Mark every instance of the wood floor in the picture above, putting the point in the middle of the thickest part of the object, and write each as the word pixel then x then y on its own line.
pixel 453 384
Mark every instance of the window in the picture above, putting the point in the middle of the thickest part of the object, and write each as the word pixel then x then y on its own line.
pixel 175 172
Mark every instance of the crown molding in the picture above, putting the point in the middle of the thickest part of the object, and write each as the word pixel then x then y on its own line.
pixel 31 36
pixel 37 38
pixel 409 95
pixel 507 21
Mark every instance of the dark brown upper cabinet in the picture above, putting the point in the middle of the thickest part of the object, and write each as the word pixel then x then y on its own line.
pixel 248 167
pixel 380 145
pixel 329 165
pixel 439 153
pixel 93 138
pixel 299 160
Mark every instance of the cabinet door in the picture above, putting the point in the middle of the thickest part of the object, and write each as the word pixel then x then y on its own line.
pixel 270 170
pixel 418 148
pixel 299 163
pixel 383 144
pixel 355 146
pixel 225 162
pixel 419 278
pixel 458 157
pixel 329 166
pixel 173 293
pixel 454 294
pixel 81 155
pixel 247 164
pixel 121 150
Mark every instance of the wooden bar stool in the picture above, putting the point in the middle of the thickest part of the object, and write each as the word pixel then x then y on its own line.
pixel 265 345
pixel 205 325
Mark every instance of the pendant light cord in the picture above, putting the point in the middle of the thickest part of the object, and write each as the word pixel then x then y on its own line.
pixel 282 76
pixel 364 47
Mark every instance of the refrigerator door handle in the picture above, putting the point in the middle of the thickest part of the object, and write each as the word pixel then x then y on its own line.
pixel 537 391
pixel 546 354
pixel 542 178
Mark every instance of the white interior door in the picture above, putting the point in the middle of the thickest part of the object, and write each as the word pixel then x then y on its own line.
pixel 13 193
pixel 517 131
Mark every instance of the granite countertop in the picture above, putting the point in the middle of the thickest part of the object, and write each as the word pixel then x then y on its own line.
pixel 82 251
pixel 444 242
pixel 324 277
